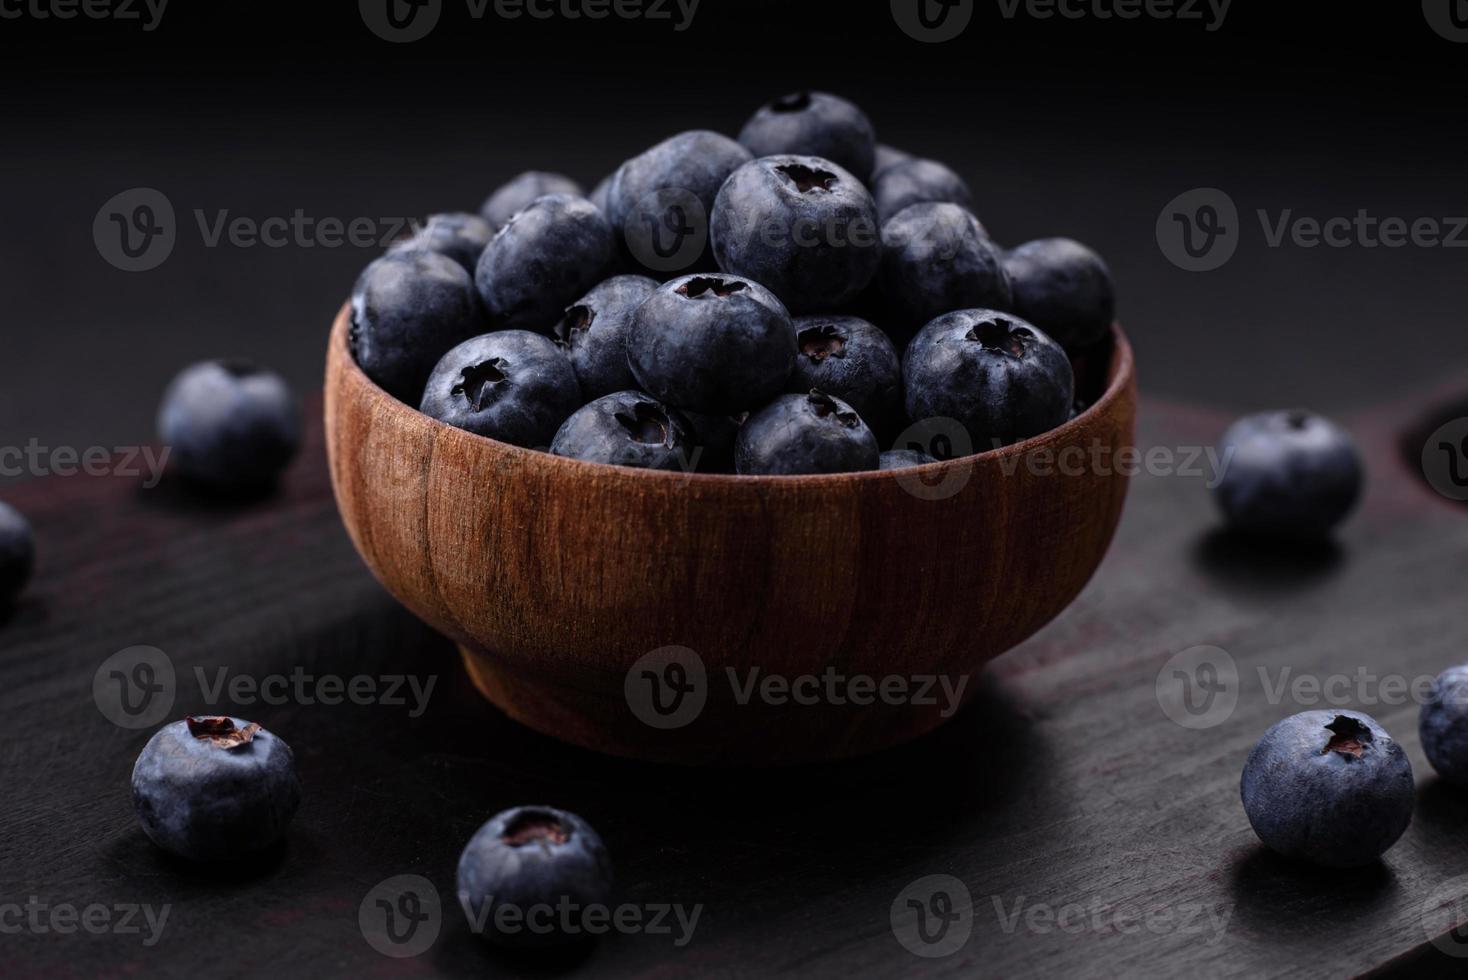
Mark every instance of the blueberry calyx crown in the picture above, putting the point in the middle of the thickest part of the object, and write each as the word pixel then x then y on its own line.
pixel 535 827
pixel 221 731
pixel 819 343
pixel 645 424
pixel 1348 737
pixel 577 320
pixel 1000 335
pixel 477 382
pixel 794 102
pixel 701 287
pixel 827 407
pixel 807 179
pixel 239 367
pixel 1297 419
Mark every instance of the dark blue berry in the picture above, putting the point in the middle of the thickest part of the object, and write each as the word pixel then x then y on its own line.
pixel 914 181
pixel 594 334
pixel 523 191
pixel 999 377
pixel 601 195
pixel 514 386
pixel 628 429
pixel 1288 474
pixel 17 553
pixel 715 344
pixel 533 862
pixel 1329 788
pixel 888 156
pixel 803 434
pixel 1444 725
pixel 1064 288
pixel 803 227
pixel 849 358
pixel 901 459
pixel 814 124
pixel 408 309
pixel 230 425
pixel 937 258
pixel 542 260
pixel 215 789
pixel 461 237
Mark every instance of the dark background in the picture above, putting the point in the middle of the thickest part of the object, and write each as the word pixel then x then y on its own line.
pixel 1081 128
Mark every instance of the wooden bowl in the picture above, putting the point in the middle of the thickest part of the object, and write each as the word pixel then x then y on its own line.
pixel 557 578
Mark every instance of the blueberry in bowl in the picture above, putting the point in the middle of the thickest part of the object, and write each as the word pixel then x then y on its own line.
pixel 814 124
pixel 628 428
pixel 511 385
pixel 522 191
pixel 810 433
pixel 853 360
pixel 593 332
pixel 462 237
pixel 214 789
pixel 1288 475
pixel 904 183
pixel 1064 288
pixel 801 226
pixel 541 260
pixel 230 426
pixel 937 258
pixel 17 553
pixel 904 459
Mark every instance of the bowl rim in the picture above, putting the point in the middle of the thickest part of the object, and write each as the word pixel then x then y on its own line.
pixel 1120 371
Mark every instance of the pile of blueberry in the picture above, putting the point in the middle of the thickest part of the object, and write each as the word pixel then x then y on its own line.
pixel 785 303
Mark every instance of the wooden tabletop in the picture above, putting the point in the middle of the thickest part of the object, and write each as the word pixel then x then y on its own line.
pixel 1092 833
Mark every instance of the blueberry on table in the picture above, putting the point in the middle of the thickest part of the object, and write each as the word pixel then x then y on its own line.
pixel 408 308
pixel 628 429
pixel 514 386
pixel 594 334
pixel 914 181
pixel 542 260
pixel 804 434
pixel 652 194
pixel 999 377
pixel 230 425
pixel 461 237
pixel 528 876
pixel 937 258
pixel 715 344
pixel 1290 474
pixel 901 459
pixel 853 360
pixel 1063 288
pixel 1329 788
pixel 215 789
pixel 801 226
pixel 814 124
pixel 17 553
pixel 521 192
pixel 1444 725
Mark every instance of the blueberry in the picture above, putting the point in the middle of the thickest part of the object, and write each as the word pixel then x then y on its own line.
pixel 521 192
pixel 628 429
pixel 17 553
pixel 803 227
pixel 541 260
pixel 712 344
pixel 594 334
pixel 886 157
pixel 996 375
pixel 811 433
pixel 814 124
pixel 230 425
pixel 514 386
pixel 461 237
pixel 601 194
pixel 1330 788
pixel 1288 474
pixel 909 182
pixel 408 309
pixel 937 258
pixel 1444 725
pixel 901 459
pixel 215 789
pixel 849 358
pixel 660 200
pixel 528 876
pixel 1064 288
